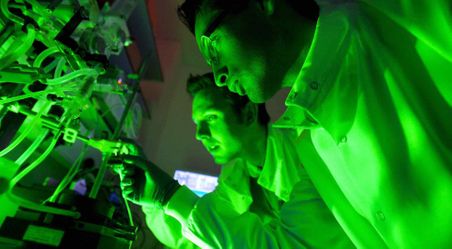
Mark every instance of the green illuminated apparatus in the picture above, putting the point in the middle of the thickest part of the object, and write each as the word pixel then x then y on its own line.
pixel 54 75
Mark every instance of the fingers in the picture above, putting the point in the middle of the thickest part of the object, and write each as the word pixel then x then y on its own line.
pixel 128 188
pixel 132 176
pixel 130 147
pixel 126 174
pixel 129 194
pixel 121 165
pixel 130 159
pixel 127 182
pixel 117 168
pixel 133 160
pixel 125 170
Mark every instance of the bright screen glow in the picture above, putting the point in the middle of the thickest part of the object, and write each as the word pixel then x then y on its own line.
pixel 200 184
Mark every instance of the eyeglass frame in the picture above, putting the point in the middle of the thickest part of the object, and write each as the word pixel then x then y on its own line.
pixel 235 6
pixel 208 49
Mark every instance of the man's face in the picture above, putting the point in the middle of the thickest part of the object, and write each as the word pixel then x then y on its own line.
pixel 217 126
pixel 248 60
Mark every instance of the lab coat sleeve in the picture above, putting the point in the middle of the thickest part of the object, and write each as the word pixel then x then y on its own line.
pixel 429 21
pixel 166 228
pixel 214 223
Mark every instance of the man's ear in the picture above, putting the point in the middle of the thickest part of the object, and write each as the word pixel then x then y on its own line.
pixel 250 113
pixel 267 6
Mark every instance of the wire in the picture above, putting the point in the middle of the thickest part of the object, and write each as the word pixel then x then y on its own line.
pixel 130 216
pixel 100 176
pixel 72 75
pixel 36 94
pixel 29 151
pixel 41 208
pixel 19 139
pixel 69 176
pixel 43 12
pixel 129 212
pixel 43 55
pixel 24 96
pixel 116 135
pixel 19 47
pixel 36 163
pixel 25 133
pixel 9 16
pixel 110 110
pixel 59 68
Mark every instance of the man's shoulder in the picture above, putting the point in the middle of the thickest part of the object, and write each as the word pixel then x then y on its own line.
pixel 282 137
pixel 285 132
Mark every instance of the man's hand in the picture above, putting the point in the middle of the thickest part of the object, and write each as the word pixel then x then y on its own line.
pixel 142 182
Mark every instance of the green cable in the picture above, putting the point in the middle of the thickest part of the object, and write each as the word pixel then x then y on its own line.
pixel 41 208
pixel 24 96
pixel 59 68
pixel 69 176
pixel 24 134
pixel 9 16
pixel 31 149
pixel 129 212
pixel 72 75
pixel 23 46
pixel 43 55
pixel 35 163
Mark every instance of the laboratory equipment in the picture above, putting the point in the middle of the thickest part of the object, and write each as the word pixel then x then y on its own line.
pixel 65 103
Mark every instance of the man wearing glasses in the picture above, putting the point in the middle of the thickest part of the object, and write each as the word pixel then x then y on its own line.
pixel 370 98
pixel 264 198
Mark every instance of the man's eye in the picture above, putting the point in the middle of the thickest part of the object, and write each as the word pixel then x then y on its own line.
pixel 211 118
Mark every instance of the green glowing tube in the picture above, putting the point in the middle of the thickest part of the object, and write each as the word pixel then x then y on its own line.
pixel 43 55
pixel 36 163
pixel 24 96
pixel 69 176
pixel 37 207
pixel 20 47
pixel 71 76
pixel 25 133
pixel 7 14
pixel 59 68
pixel 32 148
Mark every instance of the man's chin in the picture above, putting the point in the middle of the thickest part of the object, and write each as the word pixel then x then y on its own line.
pixel 259 97
pixel 220 160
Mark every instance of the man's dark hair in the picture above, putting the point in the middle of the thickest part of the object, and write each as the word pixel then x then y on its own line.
pixel 197 83
pixel 187 13
pixel 188 10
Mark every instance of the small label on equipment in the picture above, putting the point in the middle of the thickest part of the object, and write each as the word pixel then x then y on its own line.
pixel 43 235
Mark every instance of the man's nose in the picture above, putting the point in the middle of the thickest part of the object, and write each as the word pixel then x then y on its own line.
pixel 221 75
pixel 202 132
